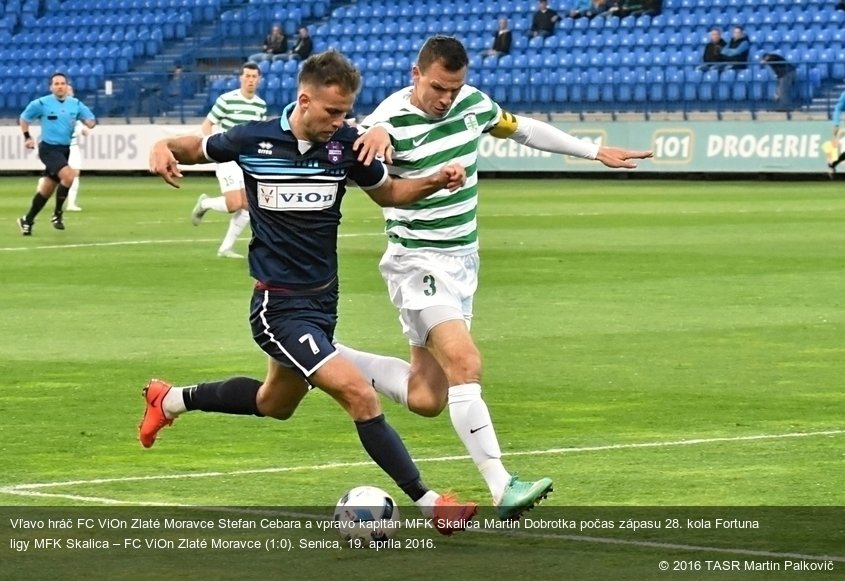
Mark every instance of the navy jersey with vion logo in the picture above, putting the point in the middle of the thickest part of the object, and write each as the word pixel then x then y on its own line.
pixel 294 197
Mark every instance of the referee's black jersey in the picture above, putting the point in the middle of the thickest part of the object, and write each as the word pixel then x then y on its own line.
pixel 294 198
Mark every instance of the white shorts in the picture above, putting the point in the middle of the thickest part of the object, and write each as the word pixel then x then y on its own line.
pixel 423 279
pixel 229 176
pixel 74 158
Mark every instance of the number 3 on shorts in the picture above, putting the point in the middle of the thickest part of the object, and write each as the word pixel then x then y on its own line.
pixel 432 289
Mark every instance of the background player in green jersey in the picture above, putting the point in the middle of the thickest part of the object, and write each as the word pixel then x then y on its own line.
pixel 230 109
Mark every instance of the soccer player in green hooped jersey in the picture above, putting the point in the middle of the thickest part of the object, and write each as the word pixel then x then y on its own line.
pixel 231 109
pixel 431 262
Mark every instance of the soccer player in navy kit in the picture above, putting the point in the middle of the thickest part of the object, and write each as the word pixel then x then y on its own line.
pixel 295 173
pixel 58 113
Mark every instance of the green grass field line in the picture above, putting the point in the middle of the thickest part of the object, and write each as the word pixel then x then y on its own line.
pixel 18 488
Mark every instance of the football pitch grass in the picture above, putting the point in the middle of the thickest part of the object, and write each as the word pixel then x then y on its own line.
pixel 664 350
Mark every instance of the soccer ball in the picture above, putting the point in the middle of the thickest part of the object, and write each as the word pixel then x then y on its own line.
pixel 366 513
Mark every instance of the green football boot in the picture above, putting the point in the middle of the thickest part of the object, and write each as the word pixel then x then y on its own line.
pixel 521 495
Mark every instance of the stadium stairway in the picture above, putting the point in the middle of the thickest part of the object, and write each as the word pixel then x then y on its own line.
pixel 140 95
pixel 822 104
pixel 184 53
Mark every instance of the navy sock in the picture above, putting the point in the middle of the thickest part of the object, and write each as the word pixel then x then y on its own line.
pixel 38 202
pixel 61 196
pixel 840 160
pixel 385 446
pixel 236 395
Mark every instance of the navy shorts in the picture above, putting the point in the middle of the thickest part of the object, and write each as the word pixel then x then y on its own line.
pixel 296 331
pixel 54 158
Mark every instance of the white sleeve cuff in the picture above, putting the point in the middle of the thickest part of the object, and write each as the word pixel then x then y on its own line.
pixel 205 147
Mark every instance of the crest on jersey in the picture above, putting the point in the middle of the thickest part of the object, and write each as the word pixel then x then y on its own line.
pixel 335 149
pixel 471 122
pixel 265 147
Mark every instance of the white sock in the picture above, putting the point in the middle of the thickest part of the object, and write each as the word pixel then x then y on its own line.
pixel 426 503
pixel 173 404
pixel 472 422
pixel 237 223
pixel 218 204
pixel 388 375
pixel 73 192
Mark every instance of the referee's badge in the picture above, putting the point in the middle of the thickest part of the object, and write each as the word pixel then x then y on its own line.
pixel 335 151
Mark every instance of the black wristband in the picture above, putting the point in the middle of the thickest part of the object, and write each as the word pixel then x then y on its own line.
pixel 26 135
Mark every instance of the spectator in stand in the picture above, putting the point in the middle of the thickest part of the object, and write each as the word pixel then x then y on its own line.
pixel 713 50
pixel 304 46
pixel 598 7
pixel 544 21
pixel 785 72
pixel 622 8
pixel 275 45
pixel 178 88
pixel 580 8
pixel 737 49
pixel 501 40
pixel 652 7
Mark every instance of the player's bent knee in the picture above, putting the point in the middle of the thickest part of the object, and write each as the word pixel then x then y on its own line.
pixel 277 412
pixel 280 410
pixel 284 414
pixel 428 404
pixel 361 402
pixel 427 409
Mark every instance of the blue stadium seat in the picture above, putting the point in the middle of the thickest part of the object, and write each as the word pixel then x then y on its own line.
pixel 739 90
pixel 291 68
pixel 271 91
pixel 541 83
pixel 623 84
pixel 476 44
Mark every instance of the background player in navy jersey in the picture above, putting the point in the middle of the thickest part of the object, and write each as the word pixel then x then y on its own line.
pixel 295 173
pixel 58 113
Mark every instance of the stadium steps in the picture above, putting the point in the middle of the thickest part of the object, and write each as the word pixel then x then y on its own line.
pixel 181 51
pixel 150 76
pixel 822 105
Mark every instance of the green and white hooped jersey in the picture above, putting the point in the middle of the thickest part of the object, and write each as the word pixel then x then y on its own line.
pixel 444 221
pixel 233 108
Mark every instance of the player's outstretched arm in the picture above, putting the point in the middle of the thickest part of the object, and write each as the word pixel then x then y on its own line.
pixel 166 154
pixel 619 157
pixel 545 137
pixel 401 192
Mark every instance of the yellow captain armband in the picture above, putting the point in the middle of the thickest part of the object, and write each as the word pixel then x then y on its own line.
pixel 505 127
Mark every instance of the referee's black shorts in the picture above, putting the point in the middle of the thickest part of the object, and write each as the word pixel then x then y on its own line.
pixel 54 158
